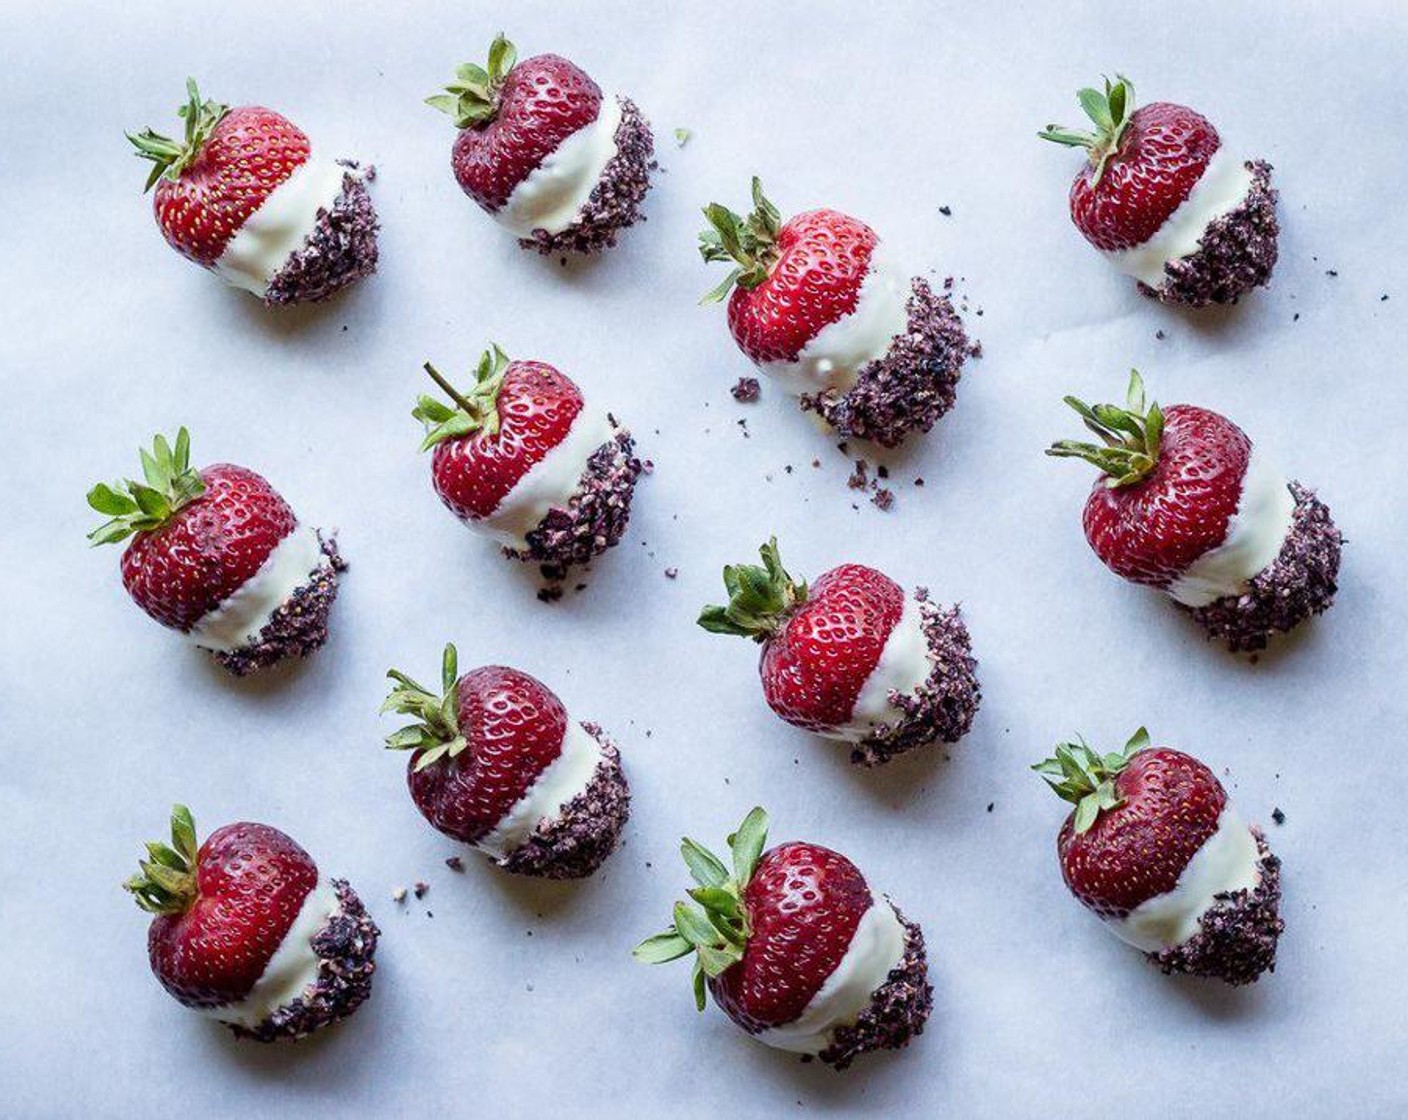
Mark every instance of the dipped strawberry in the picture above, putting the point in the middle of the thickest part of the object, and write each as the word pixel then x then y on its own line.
pixel 244 195
pixel 545 152
pixel 853 657
pixel 522 457
pixel 1156 852
pixel 218 555
pixel 497 763
pixel 797 949
pixel 248 931
pixel 817 304
pixel 1166 203
pixel 1188 505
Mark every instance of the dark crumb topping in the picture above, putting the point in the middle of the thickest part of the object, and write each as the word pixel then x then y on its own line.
pixel 746 390
pixel 577 842
pixel 340 250
pixel 615 203
pixel 898 1008
pixel 1237 941
pixel 943 707
pixel 1236 252
pixel 1300 582
pixel 912 385
pixel 345 947
pixel 596 516
pixel 299 626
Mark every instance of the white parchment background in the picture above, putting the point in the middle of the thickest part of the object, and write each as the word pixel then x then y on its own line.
pixel 521 1000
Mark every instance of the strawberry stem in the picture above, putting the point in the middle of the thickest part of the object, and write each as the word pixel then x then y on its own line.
pixel 714 925
pixel 1087 779
pixel 750 243
pixel 472 99
pixel 136 507
pixel 760 598
pixel 474 411
pixel 1110 111
pixel 436 730
pixel 1130 436
pixel 167 881
pixel 171 157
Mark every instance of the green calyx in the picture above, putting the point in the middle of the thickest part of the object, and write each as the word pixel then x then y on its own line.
pixel 437 726
pixel 750 244
pixel 1110 111
pixel 474 411
pixel 714 924
pixel 167 882
pixel 139 507
pixel 760 599
pixel 472 99
pixel 171 157
pixel 1130 436
pixel 1085 778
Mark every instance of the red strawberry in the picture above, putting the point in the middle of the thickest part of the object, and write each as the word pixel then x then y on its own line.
pixel 200 536
pixel 511 116
pixel 790 279
pixel 223 910
pixel 1142 817
pixel 820 645
pixel 1173 479
pixel 221 172
pixel 483 744
pixel 1143 164
pixel 770 931
pixel 516 413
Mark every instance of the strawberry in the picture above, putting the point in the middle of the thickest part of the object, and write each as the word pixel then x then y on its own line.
pixel 218 555
pixel 223 910
pixel 796 949
pixel 522 458
pixel 1159 196
pixel 544 151
pixel 496 763
pixel 1155 851
pixel 213 183
pixel 813 303
pixel 1185 505
pixel 852 657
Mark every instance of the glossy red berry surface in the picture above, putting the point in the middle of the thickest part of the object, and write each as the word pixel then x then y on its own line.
pixel 823 259
pixel 1137 850
pixel 514 726
pixel 1151 531
pixel 542 101
pixel 250 152
pixel 815 666
pixel 537 406
pixel 251 881
pixel 803 903
pixel 1163 153
pixel 209 549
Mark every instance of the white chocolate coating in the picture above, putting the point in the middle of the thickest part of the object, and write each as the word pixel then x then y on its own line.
pixel 567 776
pixel 553 193
pixel 238 620
pixel 904 665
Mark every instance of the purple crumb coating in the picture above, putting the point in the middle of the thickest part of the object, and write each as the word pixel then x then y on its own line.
pixel 614 203
pixel 345 947
pixel 340 250
pixel 943 706
pixel 911 386
pixel 575 843
pixel 298 627
pixel 595 518
pixel 898 1008
pixel 1235 254
pixel 1237 941
pixel 746 390
pixel 1301 581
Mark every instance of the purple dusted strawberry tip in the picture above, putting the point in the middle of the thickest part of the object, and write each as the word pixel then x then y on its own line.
pixel 1109 111
pixel 749 244
pixel 1079 774
pixel 170 157
pixel 1130 436
pixel 760 598
pixel 472 98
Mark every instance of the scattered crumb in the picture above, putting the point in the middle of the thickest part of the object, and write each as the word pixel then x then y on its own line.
pixel 883 498
pixel 671 573
pixel 550 594
pixel 420 889
pixel 990 805
pixel 918 482
pixel 454 863
pixel 746 390
pixel 682 136
pixel 946 211
pixel 1331 272
pixel 743 427
pixel 1160 335
pixel 647 466
pixel 882 470
pixel 398 895
pixel 860 477
pixel 1278 816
